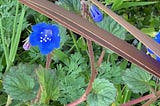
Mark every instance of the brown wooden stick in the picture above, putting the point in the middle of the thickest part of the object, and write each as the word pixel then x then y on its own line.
pixel 146 40
pixel 96 34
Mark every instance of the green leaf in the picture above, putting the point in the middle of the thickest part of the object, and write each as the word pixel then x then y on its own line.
pixel 63 34
pixel 75 64
pixel 71 5
pixel 104 93
pixel 137 80
pixel 3 99
pixel 19 85
pixel 133 4
pixel 113 27
pixel 71 78
pixel 49 84
pixel 149 31
pixel 111 72
pixel 59 55
pixel 71 88
pixel 117 4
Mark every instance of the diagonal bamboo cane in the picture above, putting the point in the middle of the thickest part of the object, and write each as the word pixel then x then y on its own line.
pixel 98 35
pixel 146 40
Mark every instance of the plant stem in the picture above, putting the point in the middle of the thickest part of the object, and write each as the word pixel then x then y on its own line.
pixel 93 76
pixel 6 51
pixel 48 62
pixel 75 44
pixel 101 58
pixel 14 46
pixel 74 41
pixel 135 101
pixel 153 99
pixel 14 26
pixel 9 101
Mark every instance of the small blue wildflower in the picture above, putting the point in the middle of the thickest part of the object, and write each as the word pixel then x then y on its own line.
pixel 156 39
pixel 96 14
pixel 45 36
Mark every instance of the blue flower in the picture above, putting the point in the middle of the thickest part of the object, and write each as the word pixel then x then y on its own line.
pixel 156 39
pixel 45 36
pixel 96 14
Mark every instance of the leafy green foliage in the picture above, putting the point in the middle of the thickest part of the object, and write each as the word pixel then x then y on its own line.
pixel 112 73
pixel 70 71
pixel 119 4
pixel 137 80
pixel 103 93
pixel 63 34
pixel 113 27
pixel 3 100
pixel 49 85
pixel 71 5
pixel 71 78
pixel 19 84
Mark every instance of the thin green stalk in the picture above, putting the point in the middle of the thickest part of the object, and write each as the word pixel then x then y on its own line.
pixel 9 101
pixel 6 51
pixel 75 44
pixel 14 27
pixel 74 41
pixel 17 37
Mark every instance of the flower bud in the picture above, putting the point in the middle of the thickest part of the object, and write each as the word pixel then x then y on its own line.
pixel 96 14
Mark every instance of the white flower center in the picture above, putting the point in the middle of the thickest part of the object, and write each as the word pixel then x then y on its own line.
pixel 46 36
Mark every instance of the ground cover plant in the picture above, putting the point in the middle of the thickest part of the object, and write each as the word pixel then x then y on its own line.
pixel 44 64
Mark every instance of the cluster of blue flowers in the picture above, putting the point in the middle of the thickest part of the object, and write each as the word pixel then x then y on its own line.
pixel 96 14
pixel 156 39
pixel 45 36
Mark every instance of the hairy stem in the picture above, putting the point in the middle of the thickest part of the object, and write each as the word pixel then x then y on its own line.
pixel 48 61
pixel 93 76
pixel 101 58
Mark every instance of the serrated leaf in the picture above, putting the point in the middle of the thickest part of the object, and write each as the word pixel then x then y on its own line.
pixel 25 68
pixel 49 84
pixel 111 72
pixel 19 86
pixel 75 64
pixel 104 93
pixel 71 5
pixel 137 80
pixel 113 27
pixel 71 88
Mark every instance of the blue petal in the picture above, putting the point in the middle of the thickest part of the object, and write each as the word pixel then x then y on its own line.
pixel 55 30
pixel 157 40
pixel 96 14
pixel 38 27
pixel 56 41
pixel 150 51
pixel 49 46
pixel 34 39
pixel 46 48
pixel 158 35
pixel 158 58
